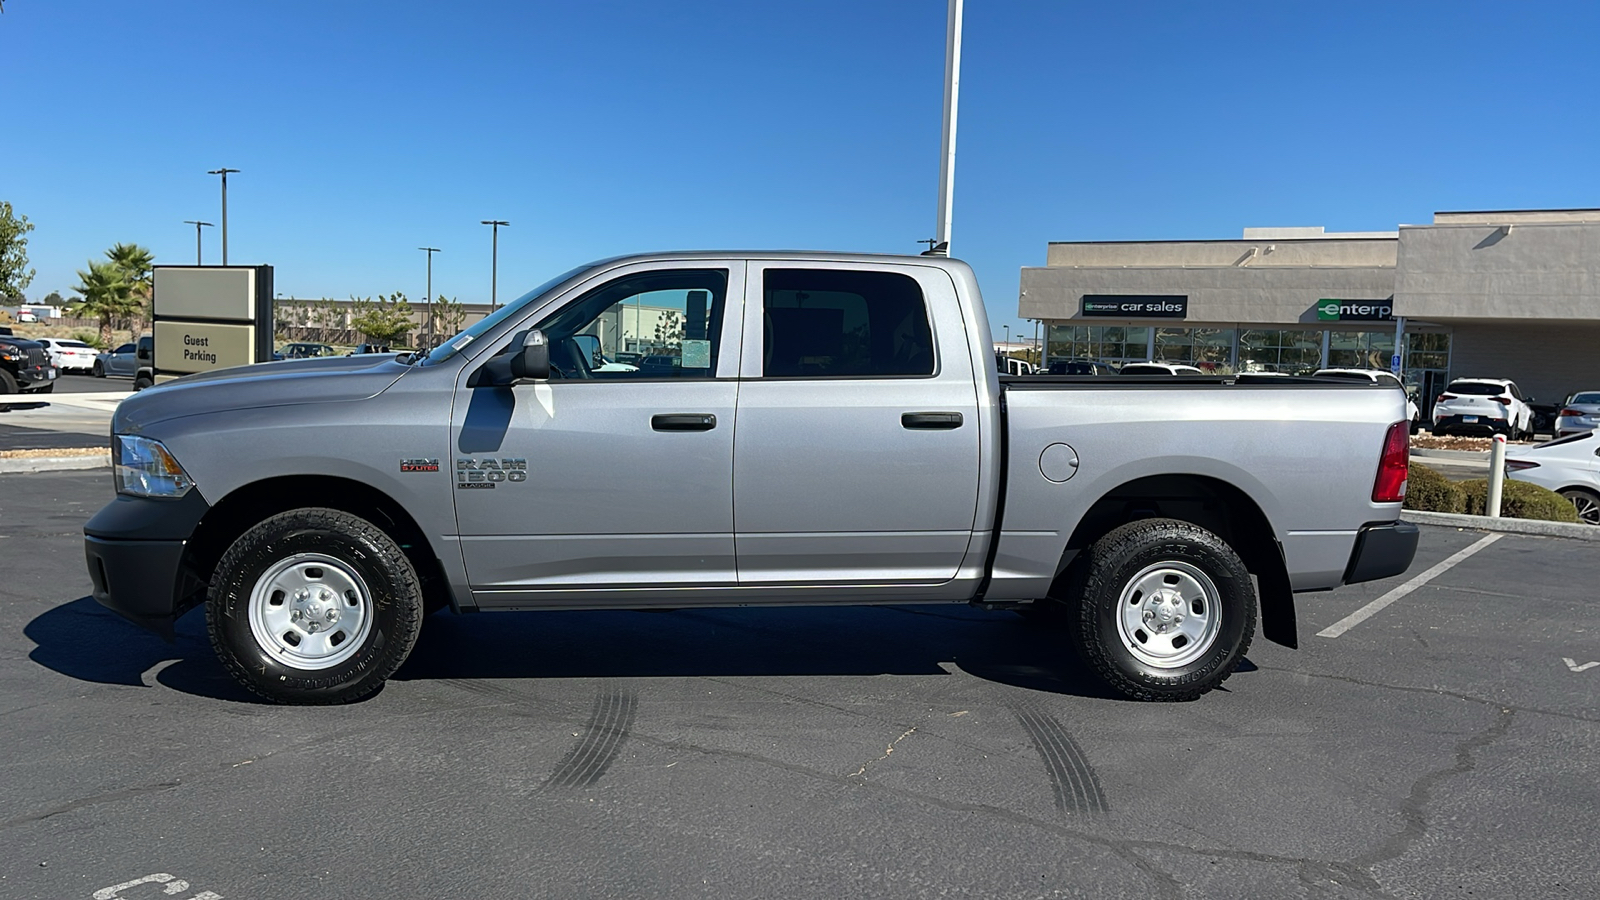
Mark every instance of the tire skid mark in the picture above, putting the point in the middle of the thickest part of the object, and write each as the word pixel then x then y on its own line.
pixel 1072 779
pixel 609 724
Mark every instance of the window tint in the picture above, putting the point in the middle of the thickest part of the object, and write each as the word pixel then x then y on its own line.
pixel 665 324
pixel 820 323
pixel 1586 397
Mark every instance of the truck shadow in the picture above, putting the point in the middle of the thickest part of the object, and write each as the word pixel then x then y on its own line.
pixel 82 640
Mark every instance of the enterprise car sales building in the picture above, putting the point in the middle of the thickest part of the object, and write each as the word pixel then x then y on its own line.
pixel 1507 294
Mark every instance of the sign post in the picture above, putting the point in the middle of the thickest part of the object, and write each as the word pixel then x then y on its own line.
pixel 211 317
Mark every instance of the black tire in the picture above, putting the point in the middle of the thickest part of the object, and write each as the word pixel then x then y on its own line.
pixel 1585 503
pixel 8 385
pixel 1155 549
pixel 312 538
pixel 142 381
pixel 99 370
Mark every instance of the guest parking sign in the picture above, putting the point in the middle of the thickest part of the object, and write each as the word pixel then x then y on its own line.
pixel 211 317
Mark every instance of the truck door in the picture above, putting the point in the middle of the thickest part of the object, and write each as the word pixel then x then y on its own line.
pixel 856 450
pixel 611 479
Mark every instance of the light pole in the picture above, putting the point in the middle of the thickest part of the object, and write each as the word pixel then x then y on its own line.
pixel 224 173
pixel 947 150
pixel 428 297
pixel 494 263
pixel 1008 340
pixel 197 259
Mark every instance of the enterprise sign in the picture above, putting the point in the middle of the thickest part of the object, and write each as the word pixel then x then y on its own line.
pixel 1355 310
pixel 1175 306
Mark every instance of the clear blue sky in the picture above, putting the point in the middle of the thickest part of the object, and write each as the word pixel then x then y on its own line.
pixel 367 130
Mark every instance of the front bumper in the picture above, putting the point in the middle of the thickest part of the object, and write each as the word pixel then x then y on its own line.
pixel 35 377
pixel 1382 551
pixel 134 549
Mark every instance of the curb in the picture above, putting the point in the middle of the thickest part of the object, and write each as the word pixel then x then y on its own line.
pixel 1471 455
pixel 27 464
pixel 1504 525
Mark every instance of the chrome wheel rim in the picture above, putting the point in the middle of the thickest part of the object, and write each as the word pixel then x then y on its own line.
pixel 1587 507
pixel 1169 614
pixel 310 611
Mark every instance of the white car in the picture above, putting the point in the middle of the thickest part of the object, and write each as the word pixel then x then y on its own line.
pixel 1158 368
pixel 1375 376
pixel 1483 406
pixel 69 355
pixel 1010 365
pixel 1570 466
pixel 1580 413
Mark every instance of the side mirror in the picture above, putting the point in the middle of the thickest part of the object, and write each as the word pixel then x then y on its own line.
pixel 532 360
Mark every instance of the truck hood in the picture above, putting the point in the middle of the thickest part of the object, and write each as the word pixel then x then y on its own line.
pixel 283 383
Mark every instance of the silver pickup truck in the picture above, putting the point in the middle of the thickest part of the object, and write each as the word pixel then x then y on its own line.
pixel 739 429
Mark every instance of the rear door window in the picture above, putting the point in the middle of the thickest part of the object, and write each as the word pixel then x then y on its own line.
pixel 824 323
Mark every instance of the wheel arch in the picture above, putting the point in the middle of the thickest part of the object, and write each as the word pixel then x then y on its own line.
pixel 252 503
pixel 1211 503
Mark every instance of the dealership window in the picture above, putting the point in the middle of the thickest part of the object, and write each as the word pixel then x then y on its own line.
pixel 1209 349
pixel 1104 343
pixel 1292 352
pixel 1360 349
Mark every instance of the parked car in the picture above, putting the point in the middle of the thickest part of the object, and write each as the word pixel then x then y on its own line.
pixel 815 458
pixel 69 355
pixel 1580 413
pixel 5 330
pixel 303 350
pixel 1377 376
pixel 1010 365
pixel 27 317
pixel 1159 368
pixel 1080 367
pixel 1483 406
pixel 25 367
pixel 119 361
pixel 1570 466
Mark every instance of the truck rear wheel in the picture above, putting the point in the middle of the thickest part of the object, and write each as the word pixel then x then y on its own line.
pixel 1165 609
pixel 314 606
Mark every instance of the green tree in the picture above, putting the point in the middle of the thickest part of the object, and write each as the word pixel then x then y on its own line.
pixel 135 263
pixel 53 299
pixel 106 294
pixel 15 276
pixel 446 314
pixel 384 320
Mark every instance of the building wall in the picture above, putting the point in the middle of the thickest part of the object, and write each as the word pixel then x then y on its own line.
pixel 1255 254
pixel 1518 270
pixel 1546 360
pixel 1231 294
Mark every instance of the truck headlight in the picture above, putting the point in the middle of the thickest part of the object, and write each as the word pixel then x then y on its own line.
pixel 144 468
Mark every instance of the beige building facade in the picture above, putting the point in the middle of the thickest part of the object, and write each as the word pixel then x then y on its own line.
pixel 1509 294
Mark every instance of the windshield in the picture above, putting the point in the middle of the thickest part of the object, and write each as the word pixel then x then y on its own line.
pixel 453 346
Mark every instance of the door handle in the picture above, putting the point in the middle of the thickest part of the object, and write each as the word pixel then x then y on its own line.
pixel 683 422
pixel 936 421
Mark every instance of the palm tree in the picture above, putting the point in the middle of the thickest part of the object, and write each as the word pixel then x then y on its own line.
pixel 105 295
pixel 135 263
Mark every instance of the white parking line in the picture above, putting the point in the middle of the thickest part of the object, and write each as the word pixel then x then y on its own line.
pixel 1378 605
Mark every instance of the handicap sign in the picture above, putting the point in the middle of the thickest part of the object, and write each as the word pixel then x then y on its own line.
pixel 1394 364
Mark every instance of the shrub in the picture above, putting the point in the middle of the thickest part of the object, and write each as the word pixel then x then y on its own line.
pixel 1429 491
pixel 1520 500
pixel 89 338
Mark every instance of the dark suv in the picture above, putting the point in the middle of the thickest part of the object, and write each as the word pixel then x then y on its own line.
pixel 25 366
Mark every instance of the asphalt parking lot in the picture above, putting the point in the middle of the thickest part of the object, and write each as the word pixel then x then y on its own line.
pixel 1444 747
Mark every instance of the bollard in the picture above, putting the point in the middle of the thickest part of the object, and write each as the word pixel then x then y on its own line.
pixel 1497 476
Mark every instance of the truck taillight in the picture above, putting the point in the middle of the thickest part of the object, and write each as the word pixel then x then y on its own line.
pixel 1390 486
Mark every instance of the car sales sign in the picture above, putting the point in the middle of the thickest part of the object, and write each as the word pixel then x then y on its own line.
pixel 1355 310
pixel 1173 306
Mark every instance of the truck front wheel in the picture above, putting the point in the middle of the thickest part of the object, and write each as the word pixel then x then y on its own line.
pixel 1165 609
pixel 314 606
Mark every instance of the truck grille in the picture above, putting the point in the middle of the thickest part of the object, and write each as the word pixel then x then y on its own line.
pixel 37 357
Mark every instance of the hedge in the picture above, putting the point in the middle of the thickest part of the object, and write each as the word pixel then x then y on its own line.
pixel 1429 491
pixel 1520 500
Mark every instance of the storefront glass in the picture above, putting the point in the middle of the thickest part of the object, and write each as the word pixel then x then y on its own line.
pixel 1291 352
pixel 1105 343
pixel 1360 349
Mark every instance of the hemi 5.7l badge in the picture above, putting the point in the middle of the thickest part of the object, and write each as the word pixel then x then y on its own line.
pixel 488 472
pixel 419 465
